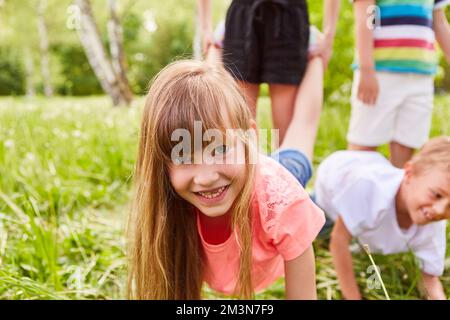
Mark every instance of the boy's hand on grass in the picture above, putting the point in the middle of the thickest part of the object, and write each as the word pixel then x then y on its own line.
pixel 368 88
pixel 433 287
pixel 342 259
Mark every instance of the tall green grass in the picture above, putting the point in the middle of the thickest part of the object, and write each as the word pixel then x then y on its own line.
pixel 65 178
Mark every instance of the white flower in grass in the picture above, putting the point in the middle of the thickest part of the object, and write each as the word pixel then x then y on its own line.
pixel 9 144
pixel 30 156
pixel 76 133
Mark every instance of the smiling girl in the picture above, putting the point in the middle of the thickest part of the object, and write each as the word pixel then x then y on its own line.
pixel 236 224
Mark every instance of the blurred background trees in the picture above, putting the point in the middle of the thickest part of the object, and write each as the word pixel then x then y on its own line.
pixel 40 51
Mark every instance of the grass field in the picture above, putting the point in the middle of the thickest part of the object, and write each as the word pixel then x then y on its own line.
pixel 65 180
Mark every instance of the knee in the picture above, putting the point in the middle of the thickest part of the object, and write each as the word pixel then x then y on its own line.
pixel 356 147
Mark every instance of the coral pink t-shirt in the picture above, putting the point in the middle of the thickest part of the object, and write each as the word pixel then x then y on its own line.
pixel 285 223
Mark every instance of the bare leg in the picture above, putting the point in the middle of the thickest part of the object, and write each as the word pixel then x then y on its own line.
pixel 282 97
pixel 302 131
pixel 400 154
pixel 214 56
pixel 356 147
pixel 251 92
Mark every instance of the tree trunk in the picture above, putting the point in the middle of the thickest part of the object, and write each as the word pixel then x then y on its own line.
pixel 43 44
pixel 96 54
pixel 117 51
pixel 29 71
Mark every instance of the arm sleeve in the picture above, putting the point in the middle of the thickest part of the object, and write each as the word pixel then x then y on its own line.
pixel 431 250
pixel 296 228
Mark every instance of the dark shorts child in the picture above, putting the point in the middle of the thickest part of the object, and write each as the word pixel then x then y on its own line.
pixel 267 40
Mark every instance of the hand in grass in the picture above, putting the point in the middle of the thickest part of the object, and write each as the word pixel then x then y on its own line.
pixel 433 287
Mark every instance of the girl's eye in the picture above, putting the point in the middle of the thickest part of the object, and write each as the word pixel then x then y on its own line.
pixel 182 160
pixel 221 150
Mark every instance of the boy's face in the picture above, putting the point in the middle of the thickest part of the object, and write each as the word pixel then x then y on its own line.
pixel 427 194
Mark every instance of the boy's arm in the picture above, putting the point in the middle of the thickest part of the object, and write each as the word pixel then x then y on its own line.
pixel 330 18
pixel 204 16
pixel 342 260
pixel 442 31
pixel 433 287
pixel 300 277
pixel 368 83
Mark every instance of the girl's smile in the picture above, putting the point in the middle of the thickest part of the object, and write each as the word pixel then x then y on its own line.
pixel 212 196
pixel 210 188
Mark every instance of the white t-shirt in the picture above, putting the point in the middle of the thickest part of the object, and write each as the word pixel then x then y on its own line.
pixel 360 186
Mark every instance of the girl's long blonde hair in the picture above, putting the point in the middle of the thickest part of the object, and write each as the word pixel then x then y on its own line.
pixel 165 252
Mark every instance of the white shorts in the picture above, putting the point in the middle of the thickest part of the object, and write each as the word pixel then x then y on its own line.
pixel 402 112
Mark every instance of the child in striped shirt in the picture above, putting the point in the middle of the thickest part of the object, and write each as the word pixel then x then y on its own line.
pixel 393 89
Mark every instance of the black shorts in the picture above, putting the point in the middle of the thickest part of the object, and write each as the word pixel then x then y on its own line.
pixel 267 40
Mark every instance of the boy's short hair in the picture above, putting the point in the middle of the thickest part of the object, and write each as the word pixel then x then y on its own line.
pixel 436 152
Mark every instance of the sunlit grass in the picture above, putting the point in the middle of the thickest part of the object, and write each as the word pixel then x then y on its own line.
pixel 65 177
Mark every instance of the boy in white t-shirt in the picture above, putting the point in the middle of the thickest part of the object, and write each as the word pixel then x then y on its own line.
pixel 392 210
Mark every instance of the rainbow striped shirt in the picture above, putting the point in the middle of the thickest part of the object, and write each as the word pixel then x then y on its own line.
pixel 404 37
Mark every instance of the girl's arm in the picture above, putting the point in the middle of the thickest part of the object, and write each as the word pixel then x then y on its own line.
pixel 433 287
pixel 204 16
pixel 342 260
pixel 300 277
pixel 330 18
pixel 368 83
pixel 442 31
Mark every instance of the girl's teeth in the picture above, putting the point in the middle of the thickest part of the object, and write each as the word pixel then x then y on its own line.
pixel 210 195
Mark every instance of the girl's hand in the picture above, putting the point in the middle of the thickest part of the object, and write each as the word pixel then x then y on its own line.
pixel 323 48
pixel 368 88
pixel 317 45
pixel 327 51
pixel 207 42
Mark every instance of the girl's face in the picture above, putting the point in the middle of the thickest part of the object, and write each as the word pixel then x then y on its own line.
pixel 428 195
pixel 213 185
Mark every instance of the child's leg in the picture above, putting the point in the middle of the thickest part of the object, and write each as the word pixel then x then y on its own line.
pixel 352 146
pixel 251 92
pixel 282 97
pixel 296 151
pixel 400 154
pixel 413 118
pixel 301 133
